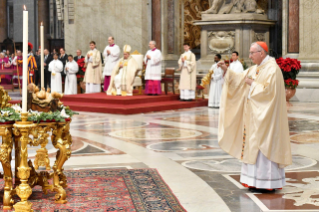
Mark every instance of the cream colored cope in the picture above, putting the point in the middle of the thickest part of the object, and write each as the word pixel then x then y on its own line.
pixel 264 115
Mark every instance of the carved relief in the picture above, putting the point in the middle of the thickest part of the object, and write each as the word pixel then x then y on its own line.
pixel 221 42
pixel 192 12
pixel 259 36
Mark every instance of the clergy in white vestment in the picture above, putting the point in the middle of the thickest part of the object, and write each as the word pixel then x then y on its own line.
pixel 111 55
pixel 153 73
pixel 123 75
pixel 236 65
pixel 187 82
pixel 216 84
pixel 71 68
pixel 56 67
pixel 253 122
pixel 93 73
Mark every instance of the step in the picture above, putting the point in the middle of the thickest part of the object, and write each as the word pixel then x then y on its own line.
pixel 102 98
pixel 134 109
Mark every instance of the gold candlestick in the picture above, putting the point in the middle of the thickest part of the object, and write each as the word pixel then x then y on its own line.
pixel 24 190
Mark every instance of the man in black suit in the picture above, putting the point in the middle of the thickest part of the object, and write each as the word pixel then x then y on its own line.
pixel 78 55
pixel 37 72
pixel 47 75
pixel 64 59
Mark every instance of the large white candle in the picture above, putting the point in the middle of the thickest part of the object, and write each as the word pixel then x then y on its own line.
pixel 42 55
pixel 25 61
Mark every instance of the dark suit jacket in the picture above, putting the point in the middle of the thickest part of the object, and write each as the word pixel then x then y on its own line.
pixel 64 60
pixel 47 61
pixel 76 58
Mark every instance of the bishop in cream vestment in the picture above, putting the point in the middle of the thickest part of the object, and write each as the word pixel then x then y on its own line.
pixel 253 123
pixel 123 75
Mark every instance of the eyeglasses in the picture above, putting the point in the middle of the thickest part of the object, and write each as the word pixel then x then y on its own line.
pixel 251 53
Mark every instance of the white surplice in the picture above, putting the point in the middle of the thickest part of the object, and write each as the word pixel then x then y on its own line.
pixel 70 79
pixel 56 67
pixel 216 86
pixel 111 59
pixel 236 66
pixel 154 65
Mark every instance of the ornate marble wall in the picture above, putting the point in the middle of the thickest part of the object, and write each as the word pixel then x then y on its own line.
pixel 293 26
pixel 192 9
pixel 126 20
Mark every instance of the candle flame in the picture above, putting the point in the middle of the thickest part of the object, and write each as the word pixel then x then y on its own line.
pixel 24 7
pixel 41 23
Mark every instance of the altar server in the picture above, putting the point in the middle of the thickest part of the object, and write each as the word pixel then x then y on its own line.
pixel 216 84
pixel 93 73
pixel 71 68
pixel 111 54
pixel 253 122
pixel 236 65
pixel 187 82
pixel 56 67
pixel 153 73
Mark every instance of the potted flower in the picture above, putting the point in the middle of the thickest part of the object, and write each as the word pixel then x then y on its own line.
pixel 81 73
pixel 290 69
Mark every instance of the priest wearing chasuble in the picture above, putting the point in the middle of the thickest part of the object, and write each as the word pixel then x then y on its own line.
pixel 93 73
pixel 123 75
pixel 187 82
pixel 253 122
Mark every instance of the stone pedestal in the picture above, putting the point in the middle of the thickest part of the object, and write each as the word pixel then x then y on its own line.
pixel 224 33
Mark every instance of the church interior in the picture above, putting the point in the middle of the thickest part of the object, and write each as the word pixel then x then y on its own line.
pixel 159 105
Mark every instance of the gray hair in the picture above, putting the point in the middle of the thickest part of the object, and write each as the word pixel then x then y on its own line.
pixel 259 48
pixel 79 50
pixel 2 54
pixel 153 41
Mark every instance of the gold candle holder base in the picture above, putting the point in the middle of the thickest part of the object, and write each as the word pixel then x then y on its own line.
pixel 23 129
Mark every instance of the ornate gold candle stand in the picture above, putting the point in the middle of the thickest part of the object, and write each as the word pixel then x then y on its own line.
pixel 22 130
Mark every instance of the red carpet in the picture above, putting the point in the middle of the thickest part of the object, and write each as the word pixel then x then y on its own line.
pixel 109 190
pixel 101 103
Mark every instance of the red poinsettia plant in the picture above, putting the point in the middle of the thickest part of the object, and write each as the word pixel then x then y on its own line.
pixel 82 69
pixel 290 69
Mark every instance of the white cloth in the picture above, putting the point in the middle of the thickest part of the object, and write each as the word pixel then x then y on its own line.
pixel 118 82
pixel 111 59
pixel 187 94
pixel 56 67
pixel 70 79
pixel 216 86
pixel 264 174
pixel 236 66
pixel 154 65
pixel 92 88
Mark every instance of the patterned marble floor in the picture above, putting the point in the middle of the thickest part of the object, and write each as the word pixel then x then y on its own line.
pixel 182 145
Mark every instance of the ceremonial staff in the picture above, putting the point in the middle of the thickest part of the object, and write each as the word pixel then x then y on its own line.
pixel 15 53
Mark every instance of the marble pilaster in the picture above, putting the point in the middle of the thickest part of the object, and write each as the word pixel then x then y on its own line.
pixel 3 20
pixel 157 22
pixel 293 26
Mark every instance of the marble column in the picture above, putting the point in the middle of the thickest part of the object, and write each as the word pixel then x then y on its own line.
pixel 43 11
pixel 293 26
pixel 3 20
pixel 157 23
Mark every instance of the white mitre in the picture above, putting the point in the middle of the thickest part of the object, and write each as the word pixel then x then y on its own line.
pixel 127 49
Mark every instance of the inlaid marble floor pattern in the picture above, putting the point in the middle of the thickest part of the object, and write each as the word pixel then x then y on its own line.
pixel 182 145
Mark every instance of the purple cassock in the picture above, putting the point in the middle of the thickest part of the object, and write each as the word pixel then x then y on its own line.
pixel 5 64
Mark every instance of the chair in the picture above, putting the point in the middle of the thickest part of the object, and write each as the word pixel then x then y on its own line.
pixel 169 77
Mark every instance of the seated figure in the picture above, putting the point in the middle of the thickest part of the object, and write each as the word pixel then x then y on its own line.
pixel 123 75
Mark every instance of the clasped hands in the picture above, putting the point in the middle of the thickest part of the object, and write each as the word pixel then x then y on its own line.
pixel 223 66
